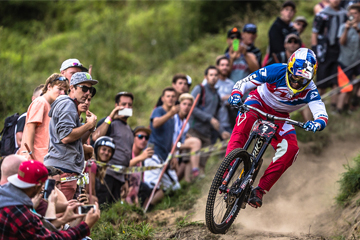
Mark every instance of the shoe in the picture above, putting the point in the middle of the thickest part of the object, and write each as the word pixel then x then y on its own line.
pixel 195 172
pixel 255 199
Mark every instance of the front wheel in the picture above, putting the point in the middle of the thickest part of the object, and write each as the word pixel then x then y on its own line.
pixel 222 207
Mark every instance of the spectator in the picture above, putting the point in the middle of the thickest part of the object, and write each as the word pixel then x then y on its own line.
pixel 325 44
pixel 36 131
pixel 181 83
pixel 320 6
pixel 224 87
pixel 349 35
pixel 116 127
pixel 291 44
pixel 281 28
pixel 65 149
pixel 232 34
pixel 347 3
pixel 71 66
pixel 206 111
pixel 17 220
pixel 162 129
pixel 22 118
pixel 300 24
pixel 140 152
pixel 10 166
pixel 187 169
pixel 248 37
pixel 242 63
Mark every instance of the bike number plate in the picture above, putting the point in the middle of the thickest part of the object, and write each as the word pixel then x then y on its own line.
pixel 265 129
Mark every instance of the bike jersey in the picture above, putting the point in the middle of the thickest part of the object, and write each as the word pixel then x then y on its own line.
pixel 271 86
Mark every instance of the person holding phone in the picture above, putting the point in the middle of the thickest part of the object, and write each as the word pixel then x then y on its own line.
pixel 349 38
pixel 242 62
pixel 115 126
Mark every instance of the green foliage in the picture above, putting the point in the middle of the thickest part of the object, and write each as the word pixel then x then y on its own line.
pixel 182 222
pixel 349 182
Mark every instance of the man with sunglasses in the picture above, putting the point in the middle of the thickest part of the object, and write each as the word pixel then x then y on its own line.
pixel 66 132
pixel 115 126
pixel 291 44
pixel 280 90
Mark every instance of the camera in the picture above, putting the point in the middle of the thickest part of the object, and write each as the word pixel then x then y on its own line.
pixel 84 209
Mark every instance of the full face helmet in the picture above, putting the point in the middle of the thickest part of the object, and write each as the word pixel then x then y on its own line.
pixel 104 141
pixel 301 69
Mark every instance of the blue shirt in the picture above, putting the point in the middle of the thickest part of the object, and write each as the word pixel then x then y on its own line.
pixel 162 136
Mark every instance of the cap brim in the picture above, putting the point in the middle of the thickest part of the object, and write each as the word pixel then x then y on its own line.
pixel 14 180
pixel 147 130
pixel 92 82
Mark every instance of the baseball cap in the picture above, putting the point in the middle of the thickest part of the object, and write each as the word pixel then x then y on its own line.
pixel 72 62
pixel 142 128
pixel 81 77
pixel 289 4
pixel 301 19
pixel 234 30
pixel 250 28
pixel 291 35
pixel 29 174
pixel 119 94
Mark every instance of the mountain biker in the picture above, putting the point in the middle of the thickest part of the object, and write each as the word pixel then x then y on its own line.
pixel 280 89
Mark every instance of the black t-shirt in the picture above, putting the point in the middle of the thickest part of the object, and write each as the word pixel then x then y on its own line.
pixel 277 33
pixel 21 123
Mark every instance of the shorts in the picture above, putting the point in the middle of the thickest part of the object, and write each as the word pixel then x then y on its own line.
pixel 204 143
pixel 328 68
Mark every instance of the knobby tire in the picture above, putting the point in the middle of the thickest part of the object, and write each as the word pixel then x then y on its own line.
pixel 215 198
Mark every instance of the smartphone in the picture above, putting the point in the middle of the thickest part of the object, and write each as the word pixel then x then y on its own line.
pixel 126 112
pixel 49 186
pixel 150 145
pixel 351 18
pixel 235 44
pixel 84 209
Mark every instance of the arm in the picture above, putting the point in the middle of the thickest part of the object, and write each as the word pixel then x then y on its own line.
pixel 19 138
pixel 77 133
pixel 318 110
pixel 252 62
pixel 147 153
pixel 159 121
pixel 30 134
pixel 102 129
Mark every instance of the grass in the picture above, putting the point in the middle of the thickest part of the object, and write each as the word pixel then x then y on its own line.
pixel 182 222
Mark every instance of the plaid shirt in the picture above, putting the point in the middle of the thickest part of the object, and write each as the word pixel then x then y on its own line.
pixel 18 222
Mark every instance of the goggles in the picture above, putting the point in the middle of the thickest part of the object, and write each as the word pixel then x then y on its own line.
pixel 299 80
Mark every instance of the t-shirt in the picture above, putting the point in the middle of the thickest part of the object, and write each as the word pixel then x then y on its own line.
pixel 38 113
pixel 162 136
pixel 240 69
pixel 350 52
pixel 224 87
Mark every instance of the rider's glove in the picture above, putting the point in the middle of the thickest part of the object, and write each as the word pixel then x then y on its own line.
pixel 311 126
pixel 235 99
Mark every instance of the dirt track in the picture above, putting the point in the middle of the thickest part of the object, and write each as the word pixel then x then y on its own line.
pixel 296 205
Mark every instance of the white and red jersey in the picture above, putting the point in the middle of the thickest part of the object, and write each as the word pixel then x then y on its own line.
pixel 270 82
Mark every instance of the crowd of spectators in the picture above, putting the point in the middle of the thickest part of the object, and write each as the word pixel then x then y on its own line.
pixel 54 142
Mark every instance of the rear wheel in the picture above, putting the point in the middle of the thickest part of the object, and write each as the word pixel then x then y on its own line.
pixel 222 207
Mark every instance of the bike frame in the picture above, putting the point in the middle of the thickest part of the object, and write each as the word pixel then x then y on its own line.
pixel 263 131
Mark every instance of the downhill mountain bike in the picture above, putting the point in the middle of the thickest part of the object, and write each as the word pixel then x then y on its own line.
pixel 232 184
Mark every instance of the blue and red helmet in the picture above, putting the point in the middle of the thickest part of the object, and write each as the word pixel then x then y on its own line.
pixel 301 68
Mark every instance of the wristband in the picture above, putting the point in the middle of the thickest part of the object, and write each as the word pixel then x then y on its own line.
pixel 108 120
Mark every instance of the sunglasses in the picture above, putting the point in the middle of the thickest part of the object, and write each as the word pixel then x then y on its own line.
pixel 85 89
pixel 140 136
pixel 61 78
pixel 293 41
pixel 233 37
pixel 299 80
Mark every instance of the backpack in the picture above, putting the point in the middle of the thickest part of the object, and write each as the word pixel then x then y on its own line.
pixel 7 143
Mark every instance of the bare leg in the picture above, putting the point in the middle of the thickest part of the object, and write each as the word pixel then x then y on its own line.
pixel 194 144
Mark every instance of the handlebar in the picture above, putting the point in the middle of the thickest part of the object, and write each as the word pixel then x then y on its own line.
pixel 245 108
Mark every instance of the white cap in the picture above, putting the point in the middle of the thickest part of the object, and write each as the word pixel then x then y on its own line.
pixel 72 62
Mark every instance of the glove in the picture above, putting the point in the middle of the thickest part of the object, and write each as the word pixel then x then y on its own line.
pixel 235 99
pixel 311 126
